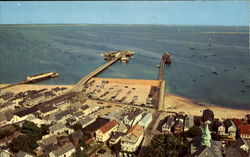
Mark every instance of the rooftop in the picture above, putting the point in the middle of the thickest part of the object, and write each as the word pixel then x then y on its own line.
pixel 108 126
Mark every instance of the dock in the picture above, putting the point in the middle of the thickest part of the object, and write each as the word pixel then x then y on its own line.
pixel 79 86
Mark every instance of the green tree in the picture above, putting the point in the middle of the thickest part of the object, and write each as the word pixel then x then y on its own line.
pixel 44 129
pixel 29 127
pixel 194 131
pixel 116 148
pixel 20 143
pixel 83 143
pixel 166 145
pixel 79 153
pixel 77 126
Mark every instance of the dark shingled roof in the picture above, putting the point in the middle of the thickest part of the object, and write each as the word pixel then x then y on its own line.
pixel 27 111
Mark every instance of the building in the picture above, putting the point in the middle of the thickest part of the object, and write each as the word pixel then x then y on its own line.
pixel 47 110
pixel 87 120
pixel 230 128
pixel 146 120
pixel 86 110
pixel 104 133
pixel 244 131
pixel 63 116
pixel 189 122
pixel 23 154
pixel 132 140
pixel 169 122
pixel 3 119
pixel 65 151
pixel 59 128
pixel 220 128
pixel 133 117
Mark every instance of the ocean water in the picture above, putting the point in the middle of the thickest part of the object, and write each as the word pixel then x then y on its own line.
pixel 74 50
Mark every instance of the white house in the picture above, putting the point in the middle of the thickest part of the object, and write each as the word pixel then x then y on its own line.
pixel 133 117
pixel 146 120
pixel 230 128
pixel 132 140
pixel 166 127
pixel 65 151
pixel 104 133
pixel 59 128
pixel 189 122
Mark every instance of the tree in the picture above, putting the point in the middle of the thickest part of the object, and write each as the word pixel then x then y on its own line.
pixel 79 153
pixel 116 148
pixel 20 143
pixel 29 127
pixel 166 145
pixel 83 143
pixel 44 129
pixel 194 131
pixel 77 126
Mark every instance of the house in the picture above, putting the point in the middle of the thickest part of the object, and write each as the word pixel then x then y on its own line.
pixel 86 110
pixel 5 153
pixel 230 128
pixel 146 120
pixel 104 133
pixel 52 140
pixel 115 138
pixel 62 140
pixel 23 114
pixel 87 120
pixel 169 122
pixel 133 117
pixel 132 140
pixel 35 99
pixel 62 116
pixel 65 151
pixel 220 128
pixel 7 106
pixel 243 144
pixel 23 154
pixel 3 119
pixel 189 122
pixel 122 128
pixel 244 131
pixel 208 115
pixel 78 115
pixel 5 141
pixel 58 129
pixel 47 110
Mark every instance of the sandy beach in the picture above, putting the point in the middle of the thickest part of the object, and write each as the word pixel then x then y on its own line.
pixel 173 103
pixel 177 104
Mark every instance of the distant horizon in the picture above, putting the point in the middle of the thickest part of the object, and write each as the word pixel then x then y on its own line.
pixel 124 24
pixel 194 13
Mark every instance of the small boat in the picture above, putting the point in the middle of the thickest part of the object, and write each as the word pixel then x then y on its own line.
pixel 158 66
pixel 214 72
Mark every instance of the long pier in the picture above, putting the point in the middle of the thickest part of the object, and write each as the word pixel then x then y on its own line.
pixel 79 86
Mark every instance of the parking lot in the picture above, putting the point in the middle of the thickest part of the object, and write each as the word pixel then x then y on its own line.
pixel 134 94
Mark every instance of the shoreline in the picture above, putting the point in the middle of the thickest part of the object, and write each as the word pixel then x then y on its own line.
pixel 177 103
pixel 173 102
